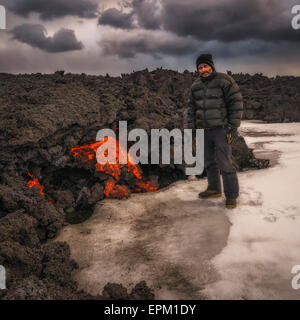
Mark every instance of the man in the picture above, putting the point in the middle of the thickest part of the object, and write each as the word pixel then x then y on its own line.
pixel 216 105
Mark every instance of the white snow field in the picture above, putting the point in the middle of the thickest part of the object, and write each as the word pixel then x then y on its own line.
pixel 187 248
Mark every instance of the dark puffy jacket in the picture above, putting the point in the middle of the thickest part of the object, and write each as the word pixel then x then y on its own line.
pixel 214 101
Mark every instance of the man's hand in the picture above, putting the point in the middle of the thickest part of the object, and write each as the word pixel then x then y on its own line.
pixel 232 134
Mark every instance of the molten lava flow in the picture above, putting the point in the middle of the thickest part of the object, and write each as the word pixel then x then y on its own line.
pixel 140 186
pixel 35 182
pixel 87 153
pixel 115 191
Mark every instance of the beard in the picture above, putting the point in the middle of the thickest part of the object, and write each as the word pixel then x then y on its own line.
pixel 205 74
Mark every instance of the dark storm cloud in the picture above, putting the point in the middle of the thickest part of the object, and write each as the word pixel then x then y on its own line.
pixel 145 12
pixel 222 20
pixel 52 9
pixel 230 20
pixel 226 28
pixel 35 35
pixel 244 36
pixel 115 18
pixel 129 45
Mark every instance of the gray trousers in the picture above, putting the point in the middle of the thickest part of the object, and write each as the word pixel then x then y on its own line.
pixel 217 160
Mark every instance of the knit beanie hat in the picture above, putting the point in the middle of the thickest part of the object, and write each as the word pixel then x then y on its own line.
pixel 205 58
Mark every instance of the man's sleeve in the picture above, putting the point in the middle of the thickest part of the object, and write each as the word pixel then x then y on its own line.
pixel 234 102
pixel 189 117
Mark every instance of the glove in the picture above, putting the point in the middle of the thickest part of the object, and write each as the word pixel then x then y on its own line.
pixel 231 134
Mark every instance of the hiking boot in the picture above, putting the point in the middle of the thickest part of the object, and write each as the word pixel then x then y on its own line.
pixel 210 194
pixel 230 203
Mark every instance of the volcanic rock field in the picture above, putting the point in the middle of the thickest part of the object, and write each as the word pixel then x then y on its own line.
pixel 49 175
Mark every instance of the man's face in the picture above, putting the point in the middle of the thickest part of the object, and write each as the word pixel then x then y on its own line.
pixel 204 69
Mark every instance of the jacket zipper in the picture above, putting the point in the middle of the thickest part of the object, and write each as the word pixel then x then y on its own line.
pixel 204 105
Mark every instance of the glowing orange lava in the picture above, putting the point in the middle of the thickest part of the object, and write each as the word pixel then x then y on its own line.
pixel 87 153
pixel 35 182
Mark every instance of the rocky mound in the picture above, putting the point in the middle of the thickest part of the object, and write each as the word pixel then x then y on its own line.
pixel 274 99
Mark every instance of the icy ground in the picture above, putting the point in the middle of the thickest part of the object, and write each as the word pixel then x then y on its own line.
pixel 187 248
pixel 264 240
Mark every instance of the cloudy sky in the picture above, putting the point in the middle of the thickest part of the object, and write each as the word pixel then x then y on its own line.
pixel 111 36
